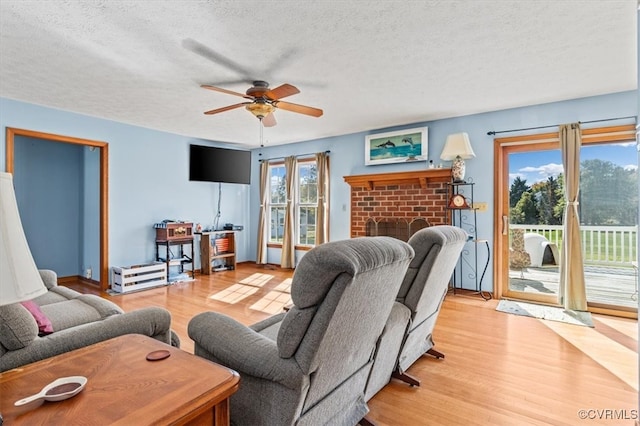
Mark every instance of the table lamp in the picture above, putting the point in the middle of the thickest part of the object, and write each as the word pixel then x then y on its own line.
pixel 457 148
pixel 19 276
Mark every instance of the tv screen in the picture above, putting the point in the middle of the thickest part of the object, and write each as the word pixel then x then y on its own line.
pixel 211 164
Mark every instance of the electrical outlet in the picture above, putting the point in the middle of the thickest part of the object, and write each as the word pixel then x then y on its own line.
pixel 87 273
pixel 481 206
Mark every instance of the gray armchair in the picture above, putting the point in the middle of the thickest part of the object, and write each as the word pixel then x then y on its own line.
pixel 408 332
pixel 309 366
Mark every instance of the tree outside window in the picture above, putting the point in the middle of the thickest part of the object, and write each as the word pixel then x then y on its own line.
pixel 608 196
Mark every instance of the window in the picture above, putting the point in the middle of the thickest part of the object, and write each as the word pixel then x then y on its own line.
pixel 307 203
pixel 305 199
pixel 277 202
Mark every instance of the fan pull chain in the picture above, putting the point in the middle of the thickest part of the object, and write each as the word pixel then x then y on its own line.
pixel 261 136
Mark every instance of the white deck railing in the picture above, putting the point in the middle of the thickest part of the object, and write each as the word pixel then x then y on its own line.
pixel 604 245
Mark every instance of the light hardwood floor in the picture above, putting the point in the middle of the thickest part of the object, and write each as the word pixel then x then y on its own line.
pixel 499 369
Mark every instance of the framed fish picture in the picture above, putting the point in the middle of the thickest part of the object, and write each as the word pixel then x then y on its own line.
pixel 396 147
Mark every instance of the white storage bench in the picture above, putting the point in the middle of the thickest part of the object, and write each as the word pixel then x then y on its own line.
pixel 138 277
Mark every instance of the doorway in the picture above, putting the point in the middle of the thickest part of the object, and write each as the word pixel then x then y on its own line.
pixel 14 135
pixel 529 188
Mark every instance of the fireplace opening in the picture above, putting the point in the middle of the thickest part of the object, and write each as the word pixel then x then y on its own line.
pixel 400 228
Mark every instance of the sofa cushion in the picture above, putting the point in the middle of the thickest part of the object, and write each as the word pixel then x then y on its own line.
pixel 49 278
pixel 44 324
pixel 69 314
pixel 50 297
pixel 104 307
pixel 55 295
pixel 17 327
pixel 68 308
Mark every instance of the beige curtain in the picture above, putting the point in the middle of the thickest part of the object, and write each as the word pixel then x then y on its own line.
pixel 572 286
pixel 322 213
pixel 263 228
pixel 288 257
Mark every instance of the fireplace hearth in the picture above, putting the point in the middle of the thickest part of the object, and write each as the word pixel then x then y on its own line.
pixel 400 228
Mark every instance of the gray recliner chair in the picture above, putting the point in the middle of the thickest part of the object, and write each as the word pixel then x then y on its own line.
pixel 309 366
pixel 408 332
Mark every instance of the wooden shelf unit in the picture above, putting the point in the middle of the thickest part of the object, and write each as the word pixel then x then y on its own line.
pixel 212 248
pixel 182 258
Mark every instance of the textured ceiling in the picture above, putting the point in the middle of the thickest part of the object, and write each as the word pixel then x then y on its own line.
pixel 367 64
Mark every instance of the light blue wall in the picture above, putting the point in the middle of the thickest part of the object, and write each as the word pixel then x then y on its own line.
pixel 148 169
pixel 347 153
pixel 148 180
pixel 58 185
pixel 49 192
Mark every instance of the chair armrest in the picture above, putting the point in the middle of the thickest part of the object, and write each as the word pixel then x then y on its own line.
pixel 268 322
pixel 240 348
pixel 49 278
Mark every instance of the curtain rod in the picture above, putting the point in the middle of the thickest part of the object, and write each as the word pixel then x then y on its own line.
pixel 556 125
pixel 282 158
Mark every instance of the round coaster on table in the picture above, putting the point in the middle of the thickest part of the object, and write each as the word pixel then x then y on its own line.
pixel 158 355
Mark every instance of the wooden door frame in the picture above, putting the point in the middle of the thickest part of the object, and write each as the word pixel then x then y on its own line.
pixel 600 135
pixel 11 134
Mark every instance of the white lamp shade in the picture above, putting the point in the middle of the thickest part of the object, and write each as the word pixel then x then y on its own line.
pixel 457 145
pixel 19 276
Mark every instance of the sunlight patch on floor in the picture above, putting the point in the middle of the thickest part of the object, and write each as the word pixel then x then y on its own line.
pixel 273 302
pixel 616 358
pixel 623 325
pixel 257 279
pixel 284 286
pixel 235 293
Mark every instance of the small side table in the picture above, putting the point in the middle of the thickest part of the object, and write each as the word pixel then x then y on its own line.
pixel 181 259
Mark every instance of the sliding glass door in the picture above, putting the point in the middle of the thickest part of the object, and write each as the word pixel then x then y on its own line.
pixel 529 214
pixel 533 223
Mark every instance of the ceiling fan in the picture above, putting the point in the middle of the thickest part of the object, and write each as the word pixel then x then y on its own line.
pixel 263 101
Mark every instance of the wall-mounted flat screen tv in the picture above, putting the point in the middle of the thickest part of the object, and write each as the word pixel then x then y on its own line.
pixel 212 164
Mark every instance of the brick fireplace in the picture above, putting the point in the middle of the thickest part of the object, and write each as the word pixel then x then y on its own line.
pixel 385 202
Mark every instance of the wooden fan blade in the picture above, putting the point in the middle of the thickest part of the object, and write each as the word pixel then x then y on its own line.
pixel 227 108
pixel 301 109
pixel 282 92
pixel 229 92
pixel 269 120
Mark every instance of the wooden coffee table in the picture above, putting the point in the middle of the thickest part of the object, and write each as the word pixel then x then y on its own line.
pixel 123 388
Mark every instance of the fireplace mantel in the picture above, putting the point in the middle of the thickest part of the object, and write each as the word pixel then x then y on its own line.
pixel 420 177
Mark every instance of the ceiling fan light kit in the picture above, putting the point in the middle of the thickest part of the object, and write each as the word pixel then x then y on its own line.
pixel 264 101
pixel 260 109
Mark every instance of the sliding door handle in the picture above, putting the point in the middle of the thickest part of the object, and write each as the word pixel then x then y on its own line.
pixel 505 225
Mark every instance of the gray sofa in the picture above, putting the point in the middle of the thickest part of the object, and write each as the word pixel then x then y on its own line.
pixel 77 319
pixel 309 366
